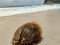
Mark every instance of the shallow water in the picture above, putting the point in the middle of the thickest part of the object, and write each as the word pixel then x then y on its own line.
pixel 27 9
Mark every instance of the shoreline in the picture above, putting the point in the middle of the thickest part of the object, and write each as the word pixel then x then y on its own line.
pixel 23 10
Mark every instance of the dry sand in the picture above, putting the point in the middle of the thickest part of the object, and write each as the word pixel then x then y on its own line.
pixel 49 20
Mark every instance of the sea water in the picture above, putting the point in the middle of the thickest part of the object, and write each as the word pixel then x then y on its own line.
pixel 7 11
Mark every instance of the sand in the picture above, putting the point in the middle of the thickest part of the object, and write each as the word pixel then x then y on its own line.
pixel 49 21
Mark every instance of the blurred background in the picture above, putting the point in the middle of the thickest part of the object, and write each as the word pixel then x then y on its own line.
pixel 17 3
pixel 10 7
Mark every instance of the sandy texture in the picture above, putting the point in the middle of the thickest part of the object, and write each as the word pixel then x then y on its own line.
pixel 49 20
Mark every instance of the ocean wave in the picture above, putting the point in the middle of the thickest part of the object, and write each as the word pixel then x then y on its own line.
pixel 29 9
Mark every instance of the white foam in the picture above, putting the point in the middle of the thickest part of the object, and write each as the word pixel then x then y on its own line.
pixel 29 9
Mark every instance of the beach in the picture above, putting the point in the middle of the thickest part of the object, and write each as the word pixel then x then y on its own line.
pixel 8 11
pixel 48 19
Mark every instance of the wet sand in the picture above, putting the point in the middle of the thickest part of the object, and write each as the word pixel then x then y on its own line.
pixel 49 21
